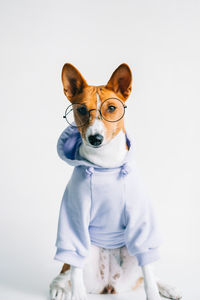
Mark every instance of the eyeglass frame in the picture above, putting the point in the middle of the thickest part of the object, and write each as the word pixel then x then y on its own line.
pixel 124 106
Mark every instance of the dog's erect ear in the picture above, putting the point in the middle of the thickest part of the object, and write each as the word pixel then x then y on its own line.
pixel 121 81
pixel 73 81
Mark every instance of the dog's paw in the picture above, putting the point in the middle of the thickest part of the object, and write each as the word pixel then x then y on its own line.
pixel 169 291
pixel 57 293
pixel 78 296
pixel 152 294
pixel 79 292
pixel 60 288
pixel 153 297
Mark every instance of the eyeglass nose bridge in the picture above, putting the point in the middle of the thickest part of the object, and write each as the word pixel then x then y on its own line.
pixel 100 117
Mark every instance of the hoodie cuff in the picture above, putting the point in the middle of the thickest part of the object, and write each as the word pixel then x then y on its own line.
pixel 70 257
pixel 148 257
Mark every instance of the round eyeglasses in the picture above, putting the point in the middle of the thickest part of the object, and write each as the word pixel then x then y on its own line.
pixel 111 110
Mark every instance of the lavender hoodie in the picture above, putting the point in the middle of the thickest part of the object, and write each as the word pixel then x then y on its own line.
pixel 106 207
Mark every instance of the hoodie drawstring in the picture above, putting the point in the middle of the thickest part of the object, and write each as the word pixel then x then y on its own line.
pixel 89 171
pixel 125 169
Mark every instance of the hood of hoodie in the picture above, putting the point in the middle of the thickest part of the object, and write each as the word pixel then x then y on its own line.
pixel 68 149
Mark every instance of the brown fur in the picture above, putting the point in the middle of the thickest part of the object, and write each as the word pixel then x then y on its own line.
pixel 138 283
pixel 116 276
pixel 65 268
pixel 109 289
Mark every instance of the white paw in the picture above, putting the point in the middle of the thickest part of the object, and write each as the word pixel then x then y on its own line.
pixel 169 291
pixel 152 294
pixel 79 296
pixel 59 288
pixel 79 292
pixel 57 293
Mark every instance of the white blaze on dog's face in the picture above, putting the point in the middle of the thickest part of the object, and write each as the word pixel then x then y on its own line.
pixel 97 131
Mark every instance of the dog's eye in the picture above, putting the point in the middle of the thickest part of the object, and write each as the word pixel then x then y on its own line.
pixel 111 108
pixel 82 110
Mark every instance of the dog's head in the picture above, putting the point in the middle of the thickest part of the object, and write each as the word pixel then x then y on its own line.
pixel 98 110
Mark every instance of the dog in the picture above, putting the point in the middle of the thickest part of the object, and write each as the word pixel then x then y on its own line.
pixel 107 235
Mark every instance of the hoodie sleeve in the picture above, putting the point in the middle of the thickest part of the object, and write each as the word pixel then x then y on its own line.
pixel 142 237
pixel 73 241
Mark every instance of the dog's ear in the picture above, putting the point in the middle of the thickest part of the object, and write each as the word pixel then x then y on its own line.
pixel 73 81
pixel 121 81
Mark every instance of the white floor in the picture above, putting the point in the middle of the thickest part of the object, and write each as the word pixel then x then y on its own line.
pixel 34 285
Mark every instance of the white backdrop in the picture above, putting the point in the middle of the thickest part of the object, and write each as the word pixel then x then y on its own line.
pixel 160 42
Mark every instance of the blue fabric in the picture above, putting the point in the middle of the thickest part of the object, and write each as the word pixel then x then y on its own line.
pixel 107 207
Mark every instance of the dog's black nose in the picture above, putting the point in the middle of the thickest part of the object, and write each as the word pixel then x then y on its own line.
pixel 95 140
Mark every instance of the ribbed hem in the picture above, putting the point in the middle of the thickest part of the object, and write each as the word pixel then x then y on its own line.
pixel 148 257
pixel 70 257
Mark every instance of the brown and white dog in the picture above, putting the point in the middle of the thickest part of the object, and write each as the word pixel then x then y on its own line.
pixel 110 277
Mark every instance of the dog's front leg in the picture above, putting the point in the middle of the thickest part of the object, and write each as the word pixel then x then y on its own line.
pixel 150 285
pixel 78 286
